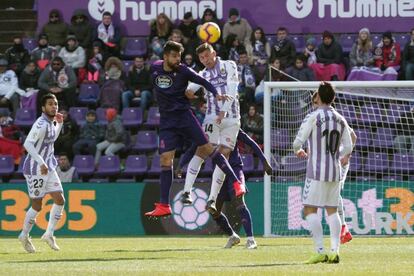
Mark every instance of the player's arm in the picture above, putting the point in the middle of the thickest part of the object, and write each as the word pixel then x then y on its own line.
pixel 303 135
pixel 36 133
pixel 353 137
pixel 346 142
pixel 246 139
pixel 59 124
pixel 232 85
pixel 194 77
pixel 191 89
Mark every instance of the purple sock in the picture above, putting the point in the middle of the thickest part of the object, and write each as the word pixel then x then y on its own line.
pixel 224 224
pixel 223 164
pixel 246 220
pixel 166 181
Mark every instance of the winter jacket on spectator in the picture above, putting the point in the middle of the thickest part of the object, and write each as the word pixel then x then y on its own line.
pixel 115 132
pixel 92 131
pixel 302 74
pixel 241 28
pixel 17 57
pixel 139 79
pixel 329 54
pixel 361 57
pixel 28 79
pixel 390 56
pixel 81 28
pixel 285 51
pixel 56 29
pixel 65 78
pixel 73 55
pixel 253 126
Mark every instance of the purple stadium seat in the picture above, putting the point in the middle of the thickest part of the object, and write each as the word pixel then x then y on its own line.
pixel 132 117
pixel 25 117
pixel 376 162
pixel 6 165
pixel 147 140
pixel 127 66
pixel 402 39
pixel 135 165
pixel 346 41
pixel 355 163
pixel 108 166
pixel 348 111
pixel 155 169
pixel 291 163
pixel 207 169
pixel 78 114
pixel 383 138
pixel 376 39
pixel 153 118
pixel 275 165
pixel 135 47
pixel 30 44
pixel 363 137
pixel 88 93
pixel 98 180
pixel 371 114
pixel 248 163
pixel 101 115
pixel 299 42
pixel 19 172
pixel 4 111
pixel 392 178
pixel 17 181
pixel 403 163
pixel 281 138
pixel 271 39
pixel 85 164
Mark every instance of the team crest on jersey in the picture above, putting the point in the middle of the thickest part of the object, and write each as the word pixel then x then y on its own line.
pixel 36 192
pixel 163 81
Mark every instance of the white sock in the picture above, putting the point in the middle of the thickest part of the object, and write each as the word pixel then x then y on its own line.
pixel 55 215
pixel 217 183
pixel 29 221
pixel 250 238
pixel 315 227
pixel 335 231
pixel 192 172
pixel 341 211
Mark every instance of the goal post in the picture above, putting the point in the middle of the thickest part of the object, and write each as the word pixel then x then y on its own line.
pixel 379 191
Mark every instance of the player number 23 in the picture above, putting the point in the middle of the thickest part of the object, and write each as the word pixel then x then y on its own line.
pixel 38 183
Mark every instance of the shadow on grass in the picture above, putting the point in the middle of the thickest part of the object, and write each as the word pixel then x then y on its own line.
pixel 156 250
pixel 259 265
pixel 88 260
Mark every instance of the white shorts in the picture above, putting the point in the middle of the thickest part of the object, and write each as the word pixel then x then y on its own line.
pixel 40 185
pixel 222 134
pixel 320 193
pixel 344 172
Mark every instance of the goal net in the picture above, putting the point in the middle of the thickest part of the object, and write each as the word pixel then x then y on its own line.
pixel 378 193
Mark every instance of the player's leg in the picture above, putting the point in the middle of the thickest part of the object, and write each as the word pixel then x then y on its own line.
pixel 224 224
pixel 55 215
pixel 29 221
pixel 332 190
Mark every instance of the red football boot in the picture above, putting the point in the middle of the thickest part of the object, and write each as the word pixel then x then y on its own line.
pixel 346 236
pixel 239 188
pixel 161 210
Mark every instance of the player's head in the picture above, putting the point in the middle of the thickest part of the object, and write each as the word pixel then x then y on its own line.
pixel 315 100
pixel 172 54
pixel 206 55
pixel 49 105
pixel 326 93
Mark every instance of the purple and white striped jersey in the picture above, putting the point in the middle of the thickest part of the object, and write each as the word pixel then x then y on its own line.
pixel 39 145
pixel 324 130
pixel 224 77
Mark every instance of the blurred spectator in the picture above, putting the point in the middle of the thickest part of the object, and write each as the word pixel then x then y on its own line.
pixel 56 29
pixel 232 48
pixel 188 28
pixel 247 84
pixel 408 58
pixel 59 80
pixel 139 85
pixel 109 33
pixel 361 57
pixel 114 136
pixel 310 51
pixel 189 61
pixel 300 70
pixel 404 141
pixel 29 83
pixel 258 51
pixel 17 56
pixel 65 171
pixel 177 36
pixel 200 112
pixel 90 135
pixel 81 28
pixel 43 53
pixel 96 63
pixel 238 26
pixel 8 129
pixel 329 60
pixel 273 73
pixel 10 137
pixel 68 134
pixel 252 124
pixel 9 87
pixel 388 57
pixel 72 54
pixel 160 31
pixel 114 84
pixel 283 49
pixel 210 16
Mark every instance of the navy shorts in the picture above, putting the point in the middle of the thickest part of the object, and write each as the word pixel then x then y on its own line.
pixel 178 127
pixel 227 192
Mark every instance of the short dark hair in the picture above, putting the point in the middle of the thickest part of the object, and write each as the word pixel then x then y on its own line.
pixel 284 29
pixel 47 97
pixel 172 46
pixel 326 92
pixel 204 47
pixel 107 13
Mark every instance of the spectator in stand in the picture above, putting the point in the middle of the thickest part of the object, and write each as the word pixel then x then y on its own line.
pixel 310 51
pixel 114 136
pixel 273 73
pixel 160 31
pixel 139 85
pixel 232 48
pixel 10 138
pixel 210 16
pixel 361 57
pixel 65 171
pixel 95 71
pixel 91 134
pixel 252 124
pixel 43 53
pixel 408 58
pixel 190 63
pixel 300 70
pixel 81 28
pixel 17 56
pixel 59 80
pixel 258 51
pixel 177 36
pixel 68 134
pixel 56 30
pixel 238 26
pixel 188 28
pixel 29 83
pixel 283 49
pixel 387 57
pixel 114 85
pixel 329 64
pixel 72 54
pixel 404 141
pixel 109 33
pixel 247 84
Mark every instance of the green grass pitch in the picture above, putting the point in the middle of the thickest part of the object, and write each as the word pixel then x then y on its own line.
pixel 204 256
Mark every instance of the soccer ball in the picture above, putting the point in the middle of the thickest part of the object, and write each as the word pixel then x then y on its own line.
pixel 209 32
pixel 191 217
